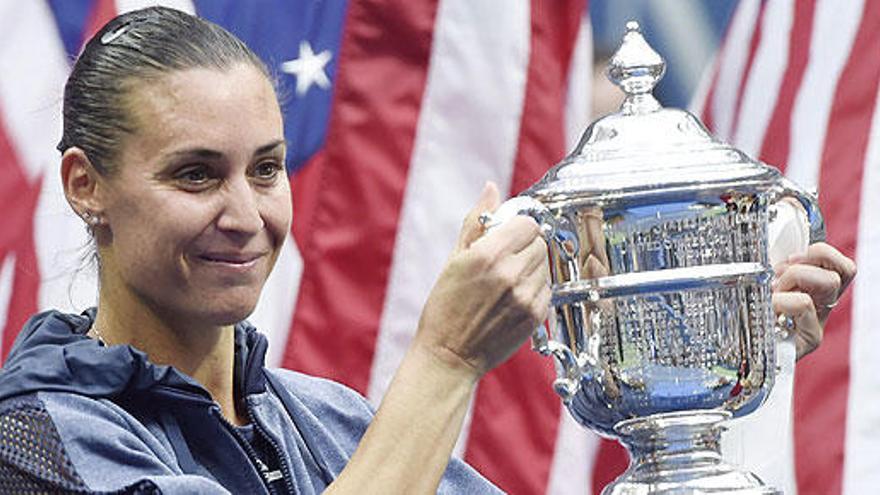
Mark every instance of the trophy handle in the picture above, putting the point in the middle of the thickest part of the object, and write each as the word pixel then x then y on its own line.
pixel 522 205
pixel 812 224
pixel 568 380
pixel 795 223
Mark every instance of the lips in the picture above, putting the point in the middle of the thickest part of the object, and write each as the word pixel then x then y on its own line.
pixel 232 258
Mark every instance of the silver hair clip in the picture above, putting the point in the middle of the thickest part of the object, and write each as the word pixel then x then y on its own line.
pixel 109 36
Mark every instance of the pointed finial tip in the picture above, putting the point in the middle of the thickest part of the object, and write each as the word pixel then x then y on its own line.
pixel 636 67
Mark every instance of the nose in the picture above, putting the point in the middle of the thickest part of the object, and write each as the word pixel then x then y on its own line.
pixel 241 209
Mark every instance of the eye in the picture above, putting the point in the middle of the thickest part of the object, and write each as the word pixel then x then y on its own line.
pixel 267 170
pixel 194 176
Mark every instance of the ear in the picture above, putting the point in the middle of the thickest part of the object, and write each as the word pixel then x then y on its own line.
pixel 80 181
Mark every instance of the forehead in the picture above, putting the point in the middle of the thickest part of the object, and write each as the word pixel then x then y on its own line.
pixel 205 108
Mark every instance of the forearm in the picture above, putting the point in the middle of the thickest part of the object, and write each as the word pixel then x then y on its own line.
pixel 408 444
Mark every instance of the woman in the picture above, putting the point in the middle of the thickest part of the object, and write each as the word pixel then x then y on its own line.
pixel 173 154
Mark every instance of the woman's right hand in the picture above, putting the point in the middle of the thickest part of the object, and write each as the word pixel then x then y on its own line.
pixel 493 292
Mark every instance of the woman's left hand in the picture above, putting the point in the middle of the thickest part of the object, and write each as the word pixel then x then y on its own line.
pixel 807 287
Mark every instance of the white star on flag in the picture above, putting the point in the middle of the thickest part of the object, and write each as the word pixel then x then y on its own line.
pixel 308 68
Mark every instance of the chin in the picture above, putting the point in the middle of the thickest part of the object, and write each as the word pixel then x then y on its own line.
pixel 223 311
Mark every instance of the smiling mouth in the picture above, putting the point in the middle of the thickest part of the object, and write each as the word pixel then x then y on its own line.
pixel 234 259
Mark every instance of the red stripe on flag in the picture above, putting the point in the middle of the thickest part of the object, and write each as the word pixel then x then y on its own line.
pixel 777 137
pixel 542 131
pixel 18 200
pixel 516 414
pixel 306 189
pixel 753 49
pixel 822 384
pixel 612 460
pixel 349 234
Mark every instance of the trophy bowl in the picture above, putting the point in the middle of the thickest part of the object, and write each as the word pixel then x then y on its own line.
pixel 662 326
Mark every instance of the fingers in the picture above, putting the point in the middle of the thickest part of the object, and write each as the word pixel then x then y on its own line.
pixel 823 272
pixel 508 238
pixel 822 254
pixel 808 330
pixel 471 228
pixel 540 279
pixel 533 256
pixel 528 274
pixel 823 285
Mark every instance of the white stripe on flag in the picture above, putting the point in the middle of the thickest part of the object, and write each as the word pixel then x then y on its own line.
pixel 863 409
pixel 834 28
pixel 274 310
pixel 575 446
pixel 128 5
pixel 765 77
pixel 6 271
pixel 580 86
pixel 573 459
pixel 733 61
pixel 467 134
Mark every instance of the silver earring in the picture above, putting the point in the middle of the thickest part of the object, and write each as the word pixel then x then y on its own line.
pixel 91 219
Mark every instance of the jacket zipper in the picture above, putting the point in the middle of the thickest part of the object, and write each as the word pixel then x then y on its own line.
pixel 279 454
pixel 262 468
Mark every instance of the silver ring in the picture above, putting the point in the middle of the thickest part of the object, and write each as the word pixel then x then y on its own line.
pixel 785 325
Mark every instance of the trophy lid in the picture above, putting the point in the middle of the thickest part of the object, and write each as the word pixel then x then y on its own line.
pixel 645 149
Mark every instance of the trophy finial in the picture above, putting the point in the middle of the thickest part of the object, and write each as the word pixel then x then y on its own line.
pixel 636 68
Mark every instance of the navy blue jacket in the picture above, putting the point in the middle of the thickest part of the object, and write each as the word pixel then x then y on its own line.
pixel 77 416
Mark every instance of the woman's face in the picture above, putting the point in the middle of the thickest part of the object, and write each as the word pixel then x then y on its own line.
pixel 199 204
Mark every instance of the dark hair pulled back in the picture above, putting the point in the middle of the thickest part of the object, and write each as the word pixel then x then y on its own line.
pixel 137 47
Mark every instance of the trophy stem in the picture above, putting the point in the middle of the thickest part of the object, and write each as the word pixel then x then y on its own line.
pixel 680 453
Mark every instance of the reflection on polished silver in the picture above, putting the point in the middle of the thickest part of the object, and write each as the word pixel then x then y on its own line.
pixel 662 324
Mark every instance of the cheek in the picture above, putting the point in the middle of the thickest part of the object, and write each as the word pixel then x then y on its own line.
pixel 277 213
pixel 158 229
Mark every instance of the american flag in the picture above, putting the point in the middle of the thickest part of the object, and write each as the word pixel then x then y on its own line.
pixel 795 84
pixel 398 112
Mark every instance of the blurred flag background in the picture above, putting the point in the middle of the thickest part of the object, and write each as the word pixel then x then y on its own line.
pixel 399 111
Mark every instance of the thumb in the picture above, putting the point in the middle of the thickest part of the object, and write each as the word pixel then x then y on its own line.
pixel 471 228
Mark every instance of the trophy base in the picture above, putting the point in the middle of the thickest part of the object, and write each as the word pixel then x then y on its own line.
pixel 679 453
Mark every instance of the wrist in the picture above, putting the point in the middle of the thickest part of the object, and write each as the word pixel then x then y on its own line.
pixel 442 363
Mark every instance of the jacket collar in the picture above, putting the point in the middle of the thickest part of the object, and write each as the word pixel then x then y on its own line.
pixel 53 353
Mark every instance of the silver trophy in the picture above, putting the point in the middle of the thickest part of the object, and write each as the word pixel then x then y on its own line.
pixel 662 326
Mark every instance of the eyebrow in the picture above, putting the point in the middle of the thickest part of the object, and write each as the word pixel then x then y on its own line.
pixel 209 154
pixel 270 147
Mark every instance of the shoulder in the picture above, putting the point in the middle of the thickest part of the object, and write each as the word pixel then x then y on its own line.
pixel 59 441
pixel 80 423
pixel 322 396
pixel 47 439
pixel 31 450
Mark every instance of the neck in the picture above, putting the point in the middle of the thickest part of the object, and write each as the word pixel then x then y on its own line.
pixel 204 352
